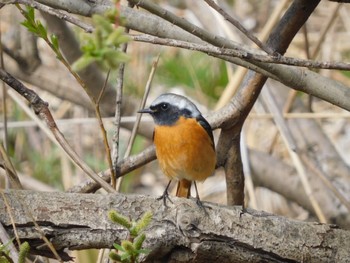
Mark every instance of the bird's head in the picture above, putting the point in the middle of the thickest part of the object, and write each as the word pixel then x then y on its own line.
pixel 169 107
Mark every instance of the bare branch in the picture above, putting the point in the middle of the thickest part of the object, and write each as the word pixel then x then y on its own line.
pixel 239 26
pixel 182 231
pixel 243 53
pixel 57 13
pixel 40 107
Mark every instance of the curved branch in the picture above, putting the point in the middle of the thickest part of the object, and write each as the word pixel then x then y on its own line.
pixel 154 25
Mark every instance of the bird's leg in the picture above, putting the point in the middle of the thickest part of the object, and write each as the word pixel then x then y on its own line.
pixel 243 211
pixel 198 201
pixel 165 195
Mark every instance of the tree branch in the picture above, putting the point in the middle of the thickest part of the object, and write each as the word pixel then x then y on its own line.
pixel 242 53
pixel 41 108
pixel 79 221
pixel 288 75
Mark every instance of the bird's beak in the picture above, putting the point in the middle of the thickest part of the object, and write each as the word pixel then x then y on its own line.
pixel 147 110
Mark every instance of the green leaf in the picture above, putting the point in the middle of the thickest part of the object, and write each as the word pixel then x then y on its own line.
pixel 102 47
pixel 29 27
pixel 121 40
pixel 103 24
pixel 23 252
pixel 114 256
pixel 125 257
pixel 115 217
pixel 111 14
pixel 118 247
pixel 54 41
pixel 113 37
pixel 129 247
pixel 144 221
pixel 82 62
pixel 138 241
pixel 30 13
pixel 42 32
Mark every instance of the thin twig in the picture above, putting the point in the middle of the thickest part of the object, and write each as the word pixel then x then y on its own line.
pixel 12 176
pixel 138 118
pixel 4 96
pixel 325 180
pixel 323 33
pixel 58 13
pixel 239 26
pixel 184 24
pixel 118 109
pixel 9 212
pixel 125 166
pixel 41 109
pixel 103 130
pixel 117 119
pixel 226 45
pixel 117 116
pixel 292 150
pixel 237 79
pixel 83 121
pixel 241 53
pixel 142 105
pixel 247 172
pixel 5 240
pixel 62 59
pixel 37 227
pixel 303 115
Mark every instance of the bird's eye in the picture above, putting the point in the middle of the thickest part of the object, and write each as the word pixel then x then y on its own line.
pixel 164 106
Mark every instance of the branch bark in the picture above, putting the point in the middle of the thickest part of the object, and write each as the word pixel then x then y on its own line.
pixel 181 232
pixel 300 79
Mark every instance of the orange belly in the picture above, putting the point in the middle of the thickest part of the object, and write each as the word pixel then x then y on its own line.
pixel 185 150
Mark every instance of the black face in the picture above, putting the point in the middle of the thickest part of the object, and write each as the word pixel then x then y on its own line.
pixel 167 114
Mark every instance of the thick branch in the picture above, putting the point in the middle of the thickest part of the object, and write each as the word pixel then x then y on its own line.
pixel 151 24
pixel 79 221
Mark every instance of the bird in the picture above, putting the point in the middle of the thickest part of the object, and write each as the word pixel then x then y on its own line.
pixel 183 141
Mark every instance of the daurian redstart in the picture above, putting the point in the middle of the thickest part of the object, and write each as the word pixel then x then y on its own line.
pixel 184 142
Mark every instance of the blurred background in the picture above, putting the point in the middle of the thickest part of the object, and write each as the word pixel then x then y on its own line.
pixel 321 130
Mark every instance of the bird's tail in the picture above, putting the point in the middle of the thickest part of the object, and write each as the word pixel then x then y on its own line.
pixel 183 188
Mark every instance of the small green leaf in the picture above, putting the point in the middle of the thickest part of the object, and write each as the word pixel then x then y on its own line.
pixel 29 27
pixel 114 256
pixel 111 15
pixel 128 246
pixel 54 41
pixel 82 62
pixel 103 24
pixel 23 252
pixel 118 247
pixel 30 13
pixel 121 40
pixel 113 37
pixel 42 32
pixel 115 217
pixel 125 257
pixel 144 221
pixel 138 241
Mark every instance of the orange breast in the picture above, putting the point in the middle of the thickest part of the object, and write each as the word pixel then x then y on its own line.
pixel 185 150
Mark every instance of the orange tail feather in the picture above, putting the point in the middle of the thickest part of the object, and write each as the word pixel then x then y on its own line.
pixel 183 188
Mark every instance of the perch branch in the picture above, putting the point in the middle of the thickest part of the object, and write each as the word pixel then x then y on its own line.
pixel 181 231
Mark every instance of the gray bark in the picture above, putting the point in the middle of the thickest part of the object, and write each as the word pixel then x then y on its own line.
pixel 181 232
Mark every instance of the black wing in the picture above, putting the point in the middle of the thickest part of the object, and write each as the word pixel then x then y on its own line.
pixel 203 122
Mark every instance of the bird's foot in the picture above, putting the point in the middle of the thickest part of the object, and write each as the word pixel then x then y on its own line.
pixel 163 197
pixel 243 211
pixel 201 205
